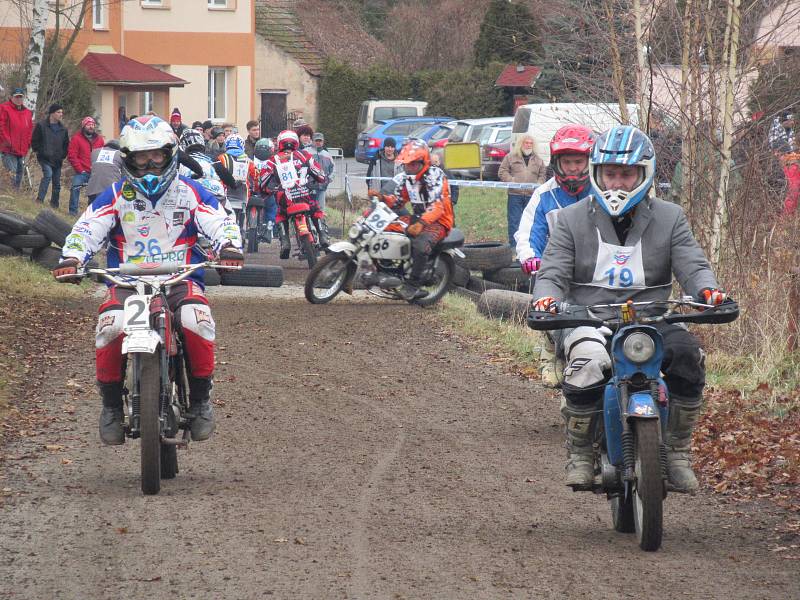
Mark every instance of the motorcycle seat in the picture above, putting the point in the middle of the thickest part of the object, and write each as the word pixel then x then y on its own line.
pixel 298 207
pixel 454 239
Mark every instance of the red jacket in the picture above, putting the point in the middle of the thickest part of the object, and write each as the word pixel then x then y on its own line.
pixel 80 149
pixel 16 128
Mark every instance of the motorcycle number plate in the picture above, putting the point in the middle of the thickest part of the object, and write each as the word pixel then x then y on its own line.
pixel 379 219
pixel 136 316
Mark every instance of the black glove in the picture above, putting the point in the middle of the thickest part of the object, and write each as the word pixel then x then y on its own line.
pixel 231 257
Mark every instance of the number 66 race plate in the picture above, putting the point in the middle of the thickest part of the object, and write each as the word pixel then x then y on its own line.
pixel 136 315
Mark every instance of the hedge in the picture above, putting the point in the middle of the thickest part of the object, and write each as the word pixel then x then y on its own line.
pixel 465 93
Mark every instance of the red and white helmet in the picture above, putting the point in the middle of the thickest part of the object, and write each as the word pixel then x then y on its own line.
pixel 288 140
pixel 571 139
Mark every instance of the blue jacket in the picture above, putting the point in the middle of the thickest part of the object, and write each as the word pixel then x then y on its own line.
pixel 539 218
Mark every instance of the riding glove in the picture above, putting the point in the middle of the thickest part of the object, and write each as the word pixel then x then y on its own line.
pixel 531 265
pixel 67 267
pixel 545 304
pixel 414 229
pixel 712 296
pixel 231 257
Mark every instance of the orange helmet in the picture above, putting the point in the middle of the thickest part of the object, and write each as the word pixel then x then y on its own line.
pixel 413 151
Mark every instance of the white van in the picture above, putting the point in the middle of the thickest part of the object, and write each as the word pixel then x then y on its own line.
pixel 542 121
pixel 373 111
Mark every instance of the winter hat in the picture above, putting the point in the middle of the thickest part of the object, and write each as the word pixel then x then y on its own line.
pixel 390 141
pixel 54 108
pixel 88 121
pixel 175 114
pixel 318 137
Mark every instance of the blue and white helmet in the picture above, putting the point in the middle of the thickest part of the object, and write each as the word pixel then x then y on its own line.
pixel 234 145
pixel 622 145
pixel 143 134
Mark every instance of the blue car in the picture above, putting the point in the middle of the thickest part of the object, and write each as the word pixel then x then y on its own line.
pixel 370 141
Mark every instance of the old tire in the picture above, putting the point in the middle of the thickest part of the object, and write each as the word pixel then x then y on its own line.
pixel 487 256
pixel 461 273
pixel 8 251
pixel 12 223
pixel 505 305
pixel 465 293
pixel 480 285
pixel 211 277
pixel 53 227
pixel 48 257
pixel 26 240
pixel 254 276
pixel 511 277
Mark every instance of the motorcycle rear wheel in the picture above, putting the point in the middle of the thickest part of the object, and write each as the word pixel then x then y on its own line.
pixel 648 497
pixel 149 424
pixel 252 230
pixel 327 277
pixel 443 277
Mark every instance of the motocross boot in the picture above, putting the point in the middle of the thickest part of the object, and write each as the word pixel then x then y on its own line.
pixel 268 232
pixel 322 229
pixel 111 429
pixel 283 236
pixel 580 424
pixel 201 412
pixel 683 415
pixel 550 366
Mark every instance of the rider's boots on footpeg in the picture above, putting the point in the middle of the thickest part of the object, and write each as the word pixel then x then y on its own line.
pixel 580 430
pixel 322 228
pixel 283 235
pixel 200 410
pixel 683 415
pixel 111 431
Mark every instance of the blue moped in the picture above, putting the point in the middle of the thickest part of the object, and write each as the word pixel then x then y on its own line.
pixel 630 455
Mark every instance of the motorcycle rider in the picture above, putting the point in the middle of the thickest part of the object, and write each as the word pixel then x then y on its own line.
pixel 286 174
pixel 264 150
pixel 235 160
pixel 153 215
pixel 569 159
pixel 623 243
pixel 215 177
pixel 427 189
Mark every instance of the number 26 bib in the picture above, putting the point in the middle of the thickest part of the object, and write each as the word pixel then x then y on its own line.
pixel 618 267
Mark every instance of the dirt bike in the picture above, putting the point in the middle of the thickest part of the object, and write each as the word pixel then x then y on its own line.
pixel 388 254
pixel 155 394
pixel 255 212
pixel 630 455
pixel 298 215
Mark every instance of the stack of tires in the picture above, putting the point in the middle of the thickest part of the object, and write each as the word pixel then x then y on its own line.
pixel 490 278
pixel 40 239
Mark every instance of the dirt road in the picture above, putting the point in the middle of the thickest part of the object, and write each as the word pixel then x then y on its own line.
pixel 362 452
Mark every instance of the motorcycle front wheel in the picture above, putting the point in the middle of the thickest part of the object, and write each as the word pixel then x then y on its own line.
pixel 622 513
pixel 327 277
pixel 648 497
pixel 440 281
pixel 149 424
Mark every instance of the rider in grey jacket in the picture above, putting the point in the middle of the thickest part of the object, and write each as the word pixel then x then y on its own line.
pixel 620 244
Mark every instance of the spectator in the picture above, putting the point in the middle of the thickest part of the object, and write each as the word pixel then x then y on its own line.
pixel 176 122
pixel 50 142
pixel 320 153
pixel 123 117
pixel 197 126
pixel 216 145
pixel 106 169
pixel 228 129
pixel 16 128
pixel 521 165
pixel 782 138
pixel 305 132
pixel 80 157
pixel 383 165
pixel 253 135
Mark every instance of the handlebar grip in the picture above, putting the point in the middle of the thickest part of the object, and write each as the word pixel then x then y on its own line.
pixel 162 268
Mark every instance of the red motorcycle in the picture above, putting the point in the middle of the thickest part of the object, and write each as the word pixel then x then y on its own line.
pixel 298 217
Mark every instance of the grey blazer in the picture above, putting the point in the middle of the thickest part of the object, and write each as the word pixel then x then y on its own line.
pixel 668 247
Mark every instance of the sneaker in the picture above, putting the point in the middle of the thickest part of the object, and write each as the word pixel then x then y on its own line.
pixel 203 424
pixel 111 430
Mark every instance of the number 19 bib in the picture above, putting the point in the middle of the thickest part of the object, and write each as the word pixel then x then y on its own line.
pixel 618 267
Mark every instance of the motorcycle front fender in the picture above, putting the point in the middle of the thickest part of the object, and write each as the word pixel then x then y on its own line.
pixel 642 406
pixel 455 252
pixel 345 247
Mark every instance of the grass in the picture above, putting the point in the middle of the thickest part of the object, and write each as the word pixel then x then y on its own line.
pixel 21 277
pixel 25 204
pixel 481 214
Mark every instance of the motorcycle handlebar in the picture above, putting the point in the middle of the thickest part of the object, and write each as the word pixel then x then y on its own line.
pixel 183 270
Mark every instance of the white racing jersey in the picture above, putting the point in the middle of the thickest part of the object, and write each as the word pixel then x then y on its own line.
pixel 210 180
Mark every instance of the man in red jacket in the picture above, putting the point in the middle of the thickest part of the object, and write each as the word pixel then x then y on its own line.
pixel 16 128
pixel 79 155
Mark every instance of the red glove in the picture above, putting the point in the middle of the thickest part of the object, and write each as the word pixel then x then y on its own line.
pixel 67 267
pixel 414 229
pixel 371 193
pixel 546 304
pixel 531 265
pixel 712 297
pixel 231 257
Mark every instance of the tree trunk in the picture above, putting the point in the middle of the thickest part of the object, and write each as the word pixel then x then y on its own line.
pixel 645 79
pixel 685 121
pixel 616 60
pixel 731 51
pixel 33 58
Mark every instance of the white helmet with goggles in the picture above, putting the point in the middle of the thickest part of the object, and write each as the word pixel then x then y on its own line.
pixel 149 150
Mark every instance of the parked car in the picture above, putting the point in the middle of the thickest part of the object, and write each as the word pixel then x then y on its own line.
pixel 429 133
pixel 370 141
pixel 470 130
pixel 372 111
pixel 495 144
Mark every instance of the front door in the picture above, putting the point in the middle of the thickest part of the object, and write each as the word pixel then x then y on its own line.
pixel 273 113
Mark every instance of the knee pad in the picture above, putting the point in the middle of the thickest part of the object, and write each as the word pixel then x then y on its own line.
pixel 109 327
pixel 197 319
pixel 586 357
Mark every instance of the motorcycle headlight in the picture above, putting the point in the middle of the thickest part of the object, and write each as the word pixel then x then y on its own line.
pixel 355 230
pixel 638 347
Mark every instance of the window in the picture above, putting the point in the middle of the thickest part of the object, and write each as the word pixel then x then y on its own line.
pixel 217 3
pixel 458 132
pixel 381 114
pixel 404 111
pixel 99 14
pixel 217 91
pixel 154 4
pixel 146 102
